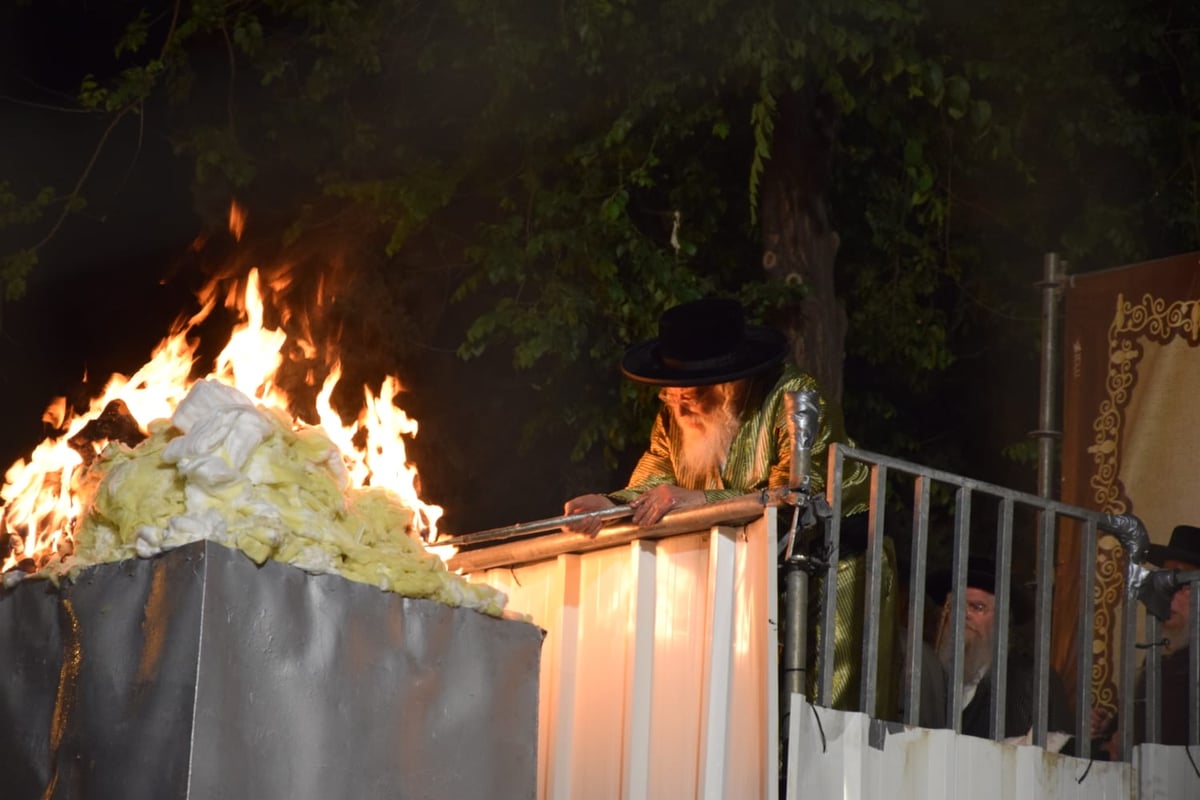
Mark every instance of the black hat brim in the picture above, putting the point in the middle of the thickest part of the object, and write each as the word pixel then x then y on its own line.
pixel 761 349
pixel 1183 546
pixel 981 574
pixel 1158 554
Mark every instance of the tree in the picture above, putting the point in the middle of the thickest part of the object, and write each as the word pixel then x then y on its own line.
pixel 567 171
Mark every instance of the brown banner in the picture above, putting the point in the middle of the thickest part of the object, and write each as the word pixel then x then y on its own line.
pixel 1131 441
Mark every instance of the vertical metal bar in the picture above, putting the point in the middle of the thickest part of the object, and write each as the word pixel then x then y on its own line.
pixel 916 600
pixel 1153 680
pixel 1085 634
pixel 1046 434
pixel 833 491
pixel 1128 650
pixel 795 647
pixel 874 563
pixel 1003 601
pixel 1041 630
pixel 958 608
pixel 1194 667
pixel 639 670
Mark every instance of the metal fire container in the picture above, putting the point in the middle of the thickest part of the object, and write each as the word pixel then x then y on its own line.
pixel 198 674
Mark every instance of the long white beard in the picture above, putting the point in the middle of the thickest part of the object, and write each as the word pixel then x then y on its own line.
pixel 977 651
pixel 705 443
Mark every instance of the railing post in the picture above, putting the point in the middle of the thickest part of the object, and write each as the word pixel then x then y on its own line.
pixel 1047 434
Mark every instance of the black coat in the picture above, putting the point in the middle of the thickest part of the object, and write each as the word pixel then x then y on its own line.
pixel 1018 712
pixel 1174 701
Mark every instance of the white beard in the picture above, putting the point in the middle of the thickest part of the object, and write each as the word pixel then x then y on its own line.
pixel 977 652
pixel 705 443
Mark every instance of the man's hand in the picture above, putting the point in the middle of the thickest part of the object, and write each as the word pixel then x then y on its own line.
pixel 650 506
pixel 582 505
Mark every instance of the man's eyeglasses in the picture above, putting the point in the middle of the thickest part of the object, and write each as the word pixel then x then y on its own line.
pixel 977 607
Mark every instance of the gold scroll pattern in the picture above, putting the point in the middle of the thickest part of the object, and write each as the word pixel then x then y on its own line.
pixel 1159 321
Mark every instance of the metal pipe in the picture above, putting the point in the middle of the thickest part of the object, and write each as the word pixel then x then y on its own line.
pixel 1052 271
pixel 804 418
pixel 537 526
pixel 874 592
pixel 1153 682
pixel 1046 546
pixel 1085 634
pixel 1003 605
pixel 795 652
pixel 1194 668
pixel 916 600
pixel 735 511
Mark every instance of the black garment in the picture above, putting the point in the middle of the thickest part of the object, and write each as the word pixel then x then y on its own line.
pixel 1173 703
pixel 1018 713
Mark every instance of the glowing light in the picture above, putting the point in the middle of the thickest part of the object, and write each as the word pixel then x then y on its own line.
pixel 40 493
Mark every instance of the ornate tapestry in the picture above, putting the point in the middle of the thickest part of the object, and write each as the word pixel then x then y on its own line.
pixel 1131 442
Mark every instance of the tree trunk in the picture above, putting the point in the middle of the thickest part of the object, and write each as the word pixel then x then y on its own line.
pixel 798 245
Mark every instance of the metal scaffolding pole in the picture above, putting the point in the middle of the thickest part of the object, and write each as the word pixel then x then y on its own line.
pixel 1047 434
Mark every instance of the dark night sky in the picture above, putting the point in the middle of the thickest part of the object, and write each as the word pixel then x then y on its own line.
pixel 115 277
pixel 95 301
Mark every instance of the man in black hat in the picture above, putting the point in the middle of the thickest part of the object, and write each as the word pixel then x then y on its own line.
pixel 1182 552
pixel 723 431
pixel 979 633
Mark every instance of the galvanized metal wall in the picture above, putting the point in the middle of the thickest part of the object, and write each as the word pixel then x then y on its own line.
pixel 198 674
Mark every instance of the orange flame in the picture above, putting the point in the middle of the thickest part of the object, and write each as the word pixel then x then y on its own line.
pixel 237 220
pixel 40 494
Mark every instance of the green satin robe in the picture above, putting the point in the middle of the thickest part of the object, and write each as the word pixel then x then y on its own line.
pixel 760 457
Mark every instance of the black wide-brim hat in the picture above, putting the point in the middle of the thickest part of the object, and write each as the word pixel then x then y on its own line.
pixel 981 574
pixel 701 343
pixel 1184 546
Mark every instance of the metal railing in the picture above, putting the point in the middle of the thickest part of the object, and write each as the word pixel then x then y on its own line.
pixel 1049 515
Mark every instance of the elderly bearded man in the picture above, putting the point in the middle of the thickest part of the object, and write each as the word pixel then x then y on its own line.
pixel 979 634
pixel 1182 553
pixel 722 431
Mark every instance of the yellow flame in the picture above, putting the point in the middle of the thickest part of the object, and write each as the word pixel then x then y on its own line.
pixel 40 503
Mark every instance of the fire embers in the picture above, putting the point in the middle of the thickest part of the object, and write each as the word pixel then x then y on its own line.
pixel 115 424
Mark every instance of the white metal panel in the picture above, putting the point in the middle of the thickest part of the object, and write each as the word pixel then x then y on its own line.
pixel 563 685
pixel 824 752
pixel 1166 772
pixel 600 675
pixel 643 644
pixel 980 769
pixel 937 765
pixel 719 662
pixel 753 739
pixel 548 592
pixel 639 671
pixel 679 635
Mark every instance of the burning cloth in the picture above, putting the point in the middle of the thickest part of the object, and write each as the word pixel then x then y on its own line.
pixel 226 470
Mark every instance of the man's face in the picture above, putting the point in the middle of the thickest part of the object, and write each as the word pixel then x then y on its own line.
pixel 1177 628
pixel 977 631
pixel 691 405
pixel 980 611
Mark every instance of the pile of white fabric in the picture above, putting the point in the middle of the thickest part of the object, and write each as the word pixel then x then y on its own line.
pixel 225 470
